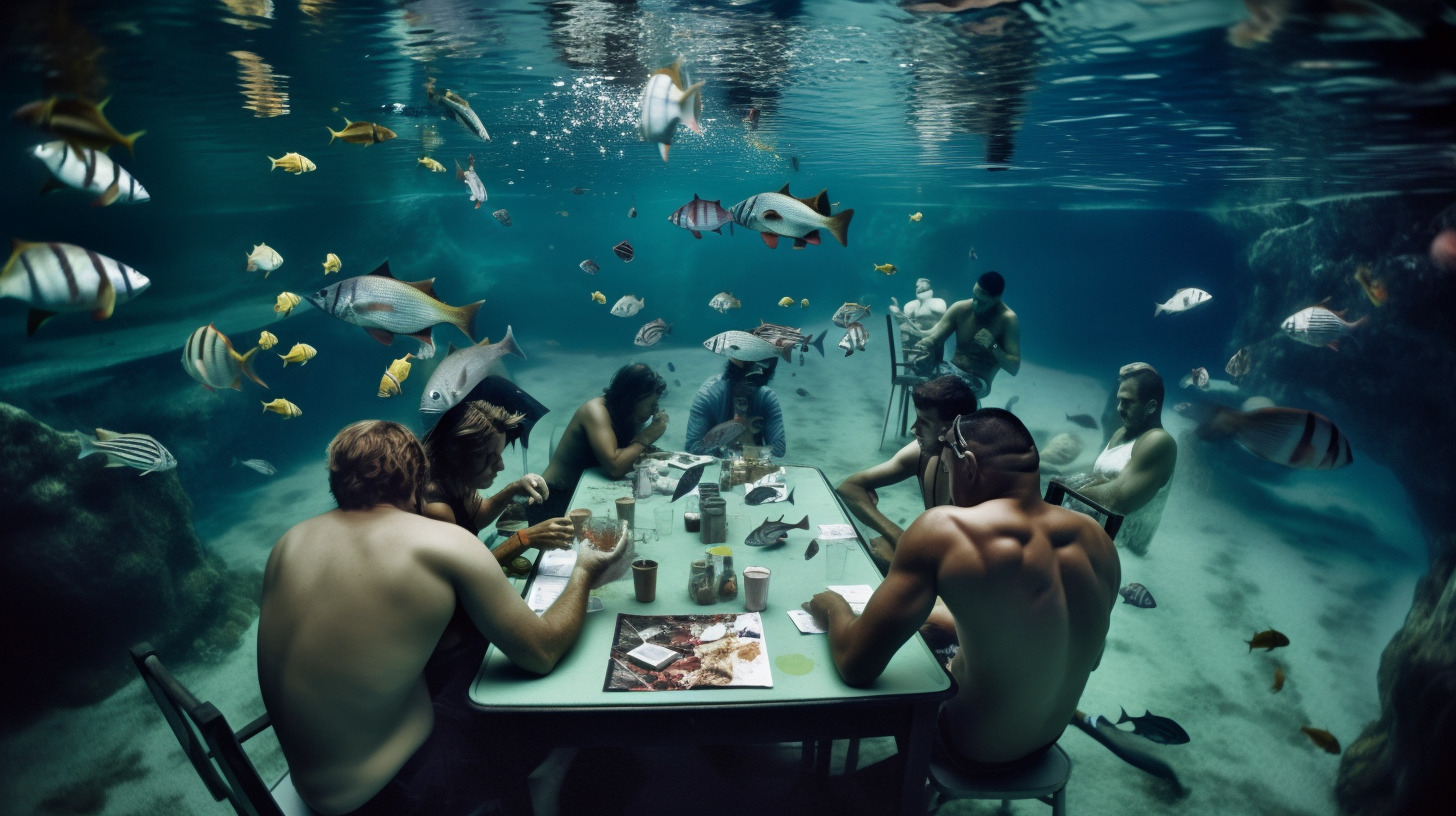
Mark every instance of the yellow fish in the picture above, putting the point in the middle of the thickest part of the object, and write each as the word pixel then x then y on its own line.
pixel 914 216
pixel 301 353
pixel 332 263
pixel 888 269
pixel 394 376
pixel 285 304
pixel 434 167
pixel 282 407
pixel 292 163
pixel 266 340
pixel 364 133
pixel 804 304
pixel 599 297
pixel 786 301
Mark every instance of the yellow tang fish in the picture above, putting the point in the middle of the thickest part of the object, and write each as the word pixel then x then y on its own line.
pixel 394 376
pixel 301 353
pixel 599 297
pixel 267 340
pixel 786 301
pixel 888 268
pixel 914 216
pixel 434 166
pixel 292 163
pixel 285 304
pixel 283 407
pixel 804 304
pixel 332 263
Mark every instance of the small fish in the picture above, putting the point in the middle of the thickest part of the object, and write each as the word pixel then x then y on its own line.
pixel 915 216
pixel 1085 420
pixel 723 301
pixel 265 258
pixel 701 215
pixel 1012 401
pixel 627 305
pixel 688 481
pixel 671 367
pixel 127 450
pixel 745 347
pixel 589 266
pixel 773 533
pixel 624 251
pixel 811 550
pixel 632 213
pixel 458 109
pixel 854 339
pixel 283 408
pixel 472 182
pixel 89 170
pixel 210 359
pixel 1318 326
pixel 364 133
pixel 651 333
pixel 1182 300
pixel 1268 640
pixel 431 165
pixel 261 466
pixel 1197 378
pixel 599 297
pixel 267 340
pixel 665 103
pixel 972 253
pixel 1239 364
pixel 54 277
pixel 849 313
pixel 502 216
pixel 1158 729
pixel 1137 595
pixel 332 264
pixel 1374 287
pixel 804 304
pixel 1278 680
pixel 393 380
pixel 76 121
pixel 285 304
pixel 1322 738
pixel 767 494
pixel 301 353
pixel 562 213
pixel 801 392
pixel 786 301
pixel 292 163
pixel 579 190
pixel 887 268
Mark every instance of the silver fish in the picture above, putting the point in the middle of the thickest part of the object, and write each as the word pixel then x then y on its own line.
pixel 1318 326
pixel 384 306
pixel 773 533
pixel 786 336
pixel 725 435
pixel 745 347
pixel 458 109
pixel 210 359
pixel 701 215
pixel 54 277
pixel 723 301
pixel 780 214
pixel 461 370
pixel 472 181
pixel 89 170
pixel 127 450
pixel 665 103
pixel 1239 364
pixel 849 313
pixel 589 266
pixel 628 305
pixel 1198 377
pixel 1182 300
pixel 1137 595
pixel 652 332
pixel 854 338
pixel 261 466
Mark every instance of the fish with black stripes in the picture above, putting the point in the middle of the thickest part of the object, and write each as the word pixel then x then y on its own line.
pixel 1319 326
pixel 209 358
pixel 701 215
pixel 127 450
pixel 54 277
pixel 88 170
pixel 666 103
pixel 1137 595
pixel 782 336
pixel 1292 437
pixel 651 333
pixel 384 306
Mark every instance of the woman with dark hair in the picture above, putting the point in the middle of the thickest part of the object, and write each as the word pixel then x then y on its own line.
pixel 464 450
pixel 612 431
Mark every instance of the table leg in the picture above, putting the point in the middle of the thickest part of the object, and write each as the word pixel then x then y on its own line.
pixel 916 751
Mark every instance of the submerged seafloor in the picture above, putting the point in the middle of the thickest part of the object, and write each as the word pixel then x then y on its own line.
pixel 1328 558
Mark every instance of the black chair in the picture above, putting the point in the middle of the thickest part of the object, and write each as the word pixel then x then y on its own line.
pixel 902 379
pixel 1058 493
pixel 213 748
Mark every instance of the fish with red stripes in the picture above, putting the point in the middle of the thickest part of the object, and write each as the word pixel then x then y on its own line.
pixel 210 359
pixel 701 215
pixel 1319 326
pixel 666 103
pixel 54 277
pixel 88 170
pixel 1293 437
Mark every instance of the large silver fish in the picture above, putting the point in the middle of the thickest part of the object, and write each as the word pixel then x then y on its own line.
pixel 628 305
pixel 384 306
pixel 780 214
pixel 461 370
pixel 458 109
pixel 89 170
pixel 665 103
pixel 1318 326
pixel 472 181
pixel 55 277
pixel 127 450
pixel 745 347
pixel 849 313
pixel 1181 301
pixel 701 215
pixel 787 336
pixel 210 359
pixel 651 333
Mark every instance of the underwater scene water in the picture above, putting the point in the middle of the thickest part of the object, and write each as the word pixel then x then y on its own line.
pixel 1102 155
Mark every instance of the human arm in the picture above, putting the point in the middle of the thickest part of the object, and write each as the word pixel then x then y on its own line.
pixel 551 534
pixel 773 423
pixel 1154 455
pixel 1008 350
pixel 855 490
pixel 617 462
pixel 944 327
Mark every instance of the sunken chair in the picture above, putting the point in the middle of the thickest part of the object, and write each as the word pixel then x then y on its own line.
pixel 1046 780
pixel 218 756
pixel 902 380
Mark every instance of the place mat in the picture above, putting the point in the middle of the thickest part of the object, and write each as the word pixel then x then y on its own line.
pixel 669 653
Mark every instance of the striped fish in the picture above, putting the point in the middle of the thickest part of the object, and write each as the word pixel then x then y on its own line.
pixel 745 347
pixel 127 450
pixel 89 170
pixel 1292 437
pixel 264 467
pixel 55 277
pixel 775 215
pixel 652 332
pixel 1318 326
pixel 210 359
pixel 701 215
pixel 1137 595
pixel 384 306
pixel 786 336
pixel 665 103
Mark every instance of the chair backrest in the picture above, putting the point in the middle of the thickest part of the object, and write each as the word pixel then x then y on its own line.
pixel 208 741
pixel 1058 493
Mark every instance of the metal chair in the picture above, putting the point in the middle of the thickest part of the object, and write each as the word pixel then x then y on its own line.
pixel 902 379
pixel 213 748
pixel 1058 493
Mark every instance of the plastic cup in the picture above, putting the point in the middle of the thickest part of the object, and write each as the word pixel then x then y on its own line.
pixel 755 588
pixel 662 520
pixel 836 555
pixel 578 521
pixel 644 579
pixel 627 510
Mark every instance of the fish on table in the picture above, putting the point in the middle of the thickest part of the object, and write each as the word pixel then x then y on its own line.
pixel 283 408
pixel 627 306
pixel 701 215
pixel 1158 729
pixel 666 103
pixel 1268 640
pixel 745 347
pixel 811 550
pixel 804 304
pixel 294 163
pixel 472 182
pixel 431 165
pixel 126 450
pixel 209 358
pixel 364 133
pixel 457 108
pixel 462 369
pixel 88 170
pixel 855 337
pixel 774 533
pixel 1181 301
pixel 767 494
pixel 915 216
pixel 393 380
pixel 77 121
pixel 332 264
pixel 780 214
pixel 651 333
pixel 265 258
pixel 261 466
pixel 301 353
pixel 723 301
pixel 54 277
pixel 1319 326
pixel 384 306
pixel 688 481
pixel 1137 595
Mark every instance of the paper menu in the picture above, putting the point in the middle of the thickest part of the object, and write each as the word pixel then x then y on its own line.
pixel 805 622
pixel 857 595
pixel 835 532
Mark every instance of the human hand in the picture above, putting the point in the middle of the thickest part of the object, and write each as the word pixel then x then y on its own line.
pixel 882 549
pixel 894 306
pixel 595 562
pixel 551 534
pixel 826 604
pixel 985 338
pixel 533 487
pixel 654 431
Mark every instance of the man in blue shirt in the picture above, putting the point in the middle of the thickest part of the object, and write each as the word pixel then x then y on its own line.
pixel 740 395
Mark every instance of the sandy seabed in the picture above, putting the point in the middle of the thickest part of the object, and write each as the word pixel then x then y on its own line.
pixel 1328 558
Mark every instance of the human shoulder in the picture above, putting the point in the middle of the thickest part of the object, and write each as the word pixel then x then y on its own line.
pixel 1155 442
